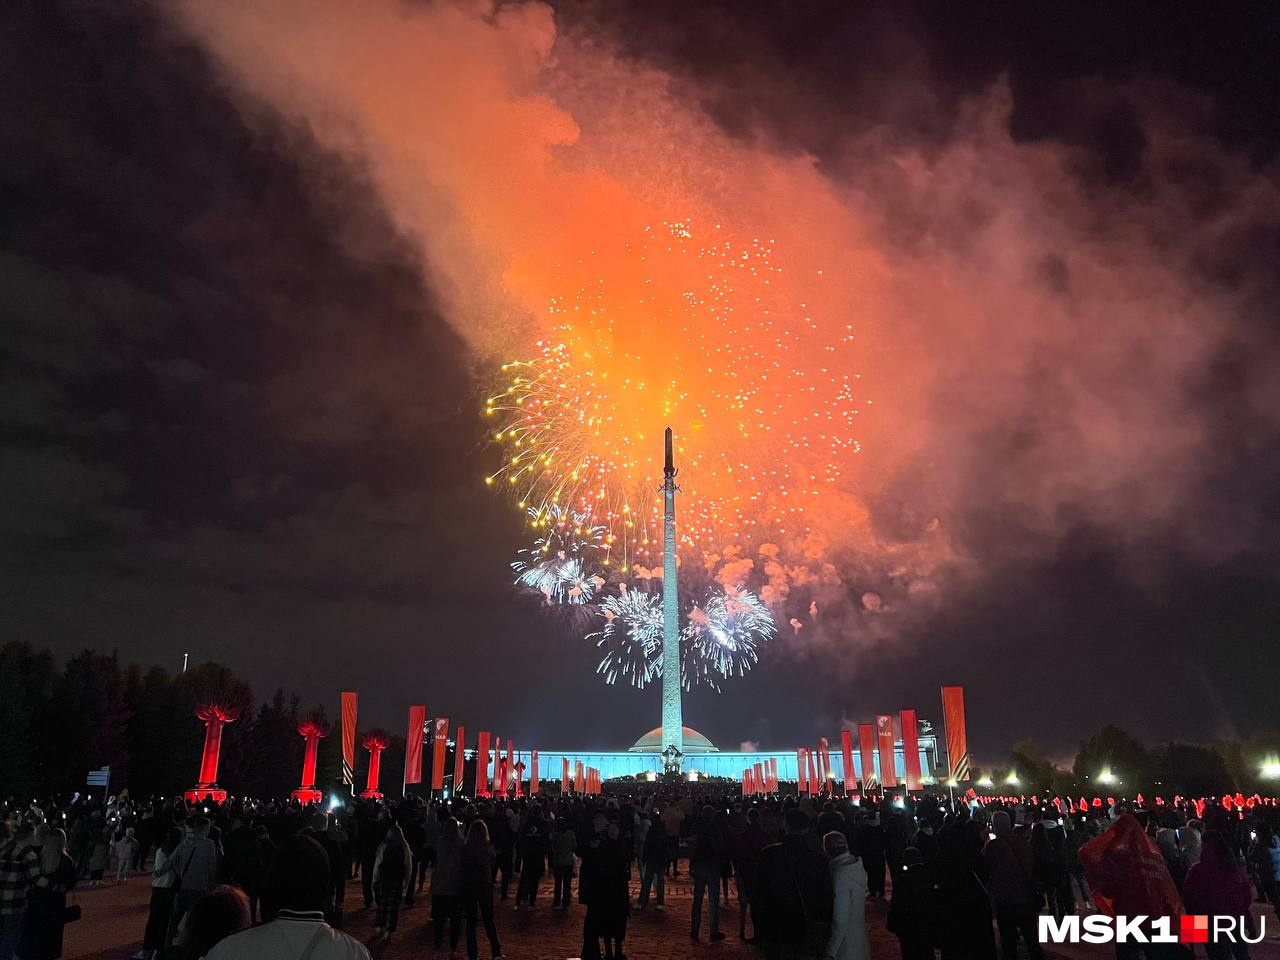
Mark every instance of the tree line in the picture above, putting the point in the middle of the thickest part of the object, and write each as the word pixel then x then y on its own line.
pixel 57 724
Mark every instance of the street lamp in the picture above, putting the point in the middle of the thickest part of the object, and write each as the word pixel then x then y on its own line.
pixel 1107 777
pixel 1271 769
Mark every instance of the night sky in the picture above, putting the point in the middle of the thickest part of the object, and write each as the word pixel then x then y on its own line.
pixel 243 372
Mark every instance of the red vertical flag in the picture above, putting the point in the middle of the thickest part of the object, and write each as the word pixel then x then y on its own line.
pixel 802 772
pixel 758 778
pixel 482 764
pixel 814 787
pixel 957 739
pixel 867 753
pixel 348 737
pixel 459 759
pixel 511 763
pixel 564 774
pixel 846 757
pixel 773 774
pixel 911 748
pixel 884 738
pixel 413 744
pixel 437 757
pixel 579 777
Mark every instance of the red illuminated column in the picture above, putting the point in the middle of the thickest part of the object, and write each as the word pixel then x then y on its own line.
pixel 500 784
pixel 519 779
pixel 313 729
pixel 375 741
pixel 511 764
pixel 214 718
pixel 533 772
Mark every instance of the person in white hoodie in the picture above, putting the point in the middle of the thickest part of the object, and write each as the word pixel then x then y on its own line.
pixel 849 939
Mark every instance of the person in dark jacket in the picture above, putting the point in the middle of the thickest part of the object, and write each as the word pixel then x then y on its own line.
pixel 1010 865
pixel 706 851
pixel 603 888
pixel 446 885
pixel 1049 866
pixel 964 908
pixel 746 859
pixel 243 863
pixel 1217 885
pixel 869 844
pixel 533 844
pixel 47 901
pixel 792 892
pixel 653 864
pixel 477 888
pixel 914 908
pixel 319 832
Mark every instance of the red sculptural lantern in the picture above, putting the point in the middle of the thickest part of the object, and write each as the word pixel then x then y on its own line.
pixel 312 729
pixel 215 717
pixel 375 741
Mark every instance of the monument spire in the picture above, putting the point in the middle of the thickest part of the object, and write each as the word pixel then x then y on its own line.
pixel 672 717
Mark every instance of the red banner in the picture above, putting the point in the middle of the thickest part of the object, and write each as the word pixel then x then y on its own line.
pixel 846 757
pixel 348 737
pixel 579 777
pixel 957 739
pixel 802 772
pixel 438 755
pixel 815 786
pixel 564 774
pixel 867 753
pixel 884 740
pixel 482 764
pixel 758 777
pixel 459 759
pixel 773 774
pixel 413 744
pixel 533 772
pixel 911 748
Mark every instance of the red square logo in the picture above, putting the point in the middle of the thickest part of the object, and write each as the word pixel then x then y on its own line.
pixel 1194 929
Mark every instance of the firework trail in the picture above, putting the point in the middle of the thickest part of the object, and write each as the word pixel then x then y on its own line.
pixel 561 562
pixel 689 334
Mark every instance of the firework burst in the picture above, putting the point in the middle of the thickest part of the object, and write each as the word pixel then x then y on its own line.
pixel 561 563
pixel 725 633
pixel 631 638
pixel 721 638
pixel 690 334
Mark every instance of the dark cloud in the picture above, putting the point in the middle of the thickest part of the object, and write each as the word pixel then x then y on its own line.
pixel 234 420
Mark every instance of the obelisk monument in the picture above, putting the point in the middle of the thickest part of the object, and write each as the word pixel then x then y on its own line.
pixel 672 718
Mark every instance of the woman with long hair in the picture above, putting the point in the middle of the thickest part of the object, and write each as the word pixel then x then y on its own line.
pixel 477 888
pixel 163 889
pixel 47 901
pixel 391 868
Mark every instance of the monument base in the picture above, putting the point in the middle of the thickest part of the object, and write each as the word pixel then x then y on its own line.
pixel 371 795
pixel 307 795
pixel 206 793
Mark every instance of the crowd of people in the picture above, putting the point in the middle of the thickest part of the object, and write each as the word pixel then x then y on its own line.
pixel 799 870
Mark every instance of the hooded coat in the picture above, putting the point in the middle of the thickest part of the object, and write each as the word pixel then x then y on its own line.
pixel 849 939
